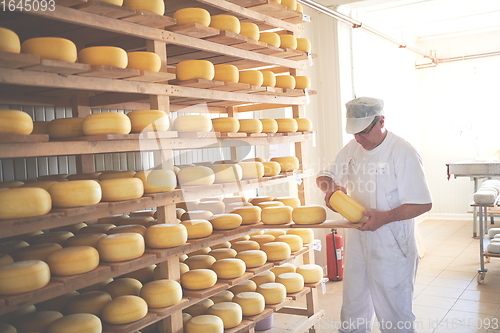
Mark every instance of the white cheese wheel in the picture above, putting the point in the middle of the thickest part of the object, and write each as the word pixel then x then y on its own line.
pixel 121 247
pixel 273 292
pixel 245 245
pixel 37 321
pixel 231 313
pixel 249 214
pixel 192 15
pixel 155 181
pixel 196 215
pixel 75 193
pixel 23 276
pixel 289 200
pixel 90 302
pixel 225 221
pixel 51 48
pixel 294 241
pixel 249 29
pixel 9 41
pixel 288 163
pixel 252 303
pixel 302 82
pixel 277 215
pixel 35 251
pixel 493 247
pixel 226 124
pixel 285 81
pixel 194 69
pixel 161 293
pixel 226 73
pixel 311 214
pixel 223 253
pixel 154 6
pixel 226 173
pixel 244 286
pixel 104 56
pixel 311 273
pixel 304 124
pixel 148 120
pixel 65 128
pixel 166 235
pixel 121 189
pixel 124 310
pixel 106 123
pixel 273 203
pixel 262 239
pixel 269 125
pixel 284 268
pixel 293 282
pixel 252 170
pixel 196 175
pixel 6 259
pixel 204 323
pixel 292 4
pixel 229 268
pixel 73 260
pixel 123 286
pixel 276 250
pixel 198 228
pixel 225 23
pixel 214 206
pixel 303 44
pixel 307 235
pixel 288 42
pixel 198 279
pixel 270 38
pixel 76 323
pixel 252 77
pixel 200 261
pixel 250 126
pixel 24 202
pixel 269 78
pixel 223 296
pixel 287 125
pixel 252 258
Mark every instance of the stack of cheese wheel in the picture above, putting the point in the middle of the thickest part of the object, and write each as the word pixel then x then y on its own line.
pixel 223 253
pixel 271 168
pixel 227 173
pixel 287 163
pixel 121 247
pixel 250 126
pixel 311 273
pixel 302 82
pixel 155 181
pixel 226 73
pixel 23 276
pixel 270 38
pixel 252 258
pixel 15 122
pixel 225 221
pixel 273 292
pixel 121 189
pixel 288 42
pixel 311 214
pixel 285 81
pixel 161 293
pixel 65 128
pixel 204 323
pixel 75 323
pixel 106 123
pixel 249 214
pixel 75 193
pixel 276 250
pixel 123 286
pixel 252 170
pixel 214 206
pixel 199 261
pixel 226 125
pixel 304 44
pixel 269 78
pixel 245 245
pixel 252 303
pixel 196 215
pixel 149 120
pixel 307 235
pixel 294 241
pixel 9 41
pixel 249 29
pixel 124 309
pixel 194 70
pixel 192 16
pixel 104 56
pixel 293 282
pixel 89 302
pixel 198 279
pixel 229 268
pixel 51 48
pixel 198 228
pixel 304 124
pixel 166 235
pixel 277 215
pixel 269 125
pixel 251 77
pixel 287 125
pixel 196 175
pixel 225 23
pixel 24 202
pixel 73 260
pixel 231 313
pixel 144 61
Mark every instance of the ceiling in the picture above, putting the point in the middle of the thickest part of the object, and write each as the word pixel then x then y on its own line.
pixel 429 18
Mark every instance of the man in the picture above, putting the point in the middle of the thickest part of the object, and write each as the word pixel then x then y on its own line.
pixel 383 173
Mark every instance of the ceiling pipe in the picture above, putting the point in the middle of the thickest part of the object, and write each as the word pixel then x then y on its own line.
pixel 460 58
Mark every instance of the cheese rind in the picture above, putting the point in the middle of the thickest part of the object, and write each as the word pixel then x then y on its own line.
pixel 273 292
pixel 195 69
pixel 200 261
pixel 192 15
pixel 311 273
pixel 24 202
pixel 251 77
pixel 166 235
pixel 148 120
pixel 65 128
pixel 302 82
pixel 226 73
pixel 204 323
pixel 249 214
pixel 124 310
pixel 252 258
pixel 73 260
pixel 121 189
pixel 288 42
pixel 249 29
pixel 106 123
pixel 250 126
pixel 9 41
pixel 307 235
pixel 121 247
pixel 276 250
pixel 229 268
pixel 277 215
pixel 161 293
pixel 304 124
pixel 51 48
pixel 154 6
pixel 226 125
pixel 287 163
pixel 16 122
pixel 252 303
pixel 271 38
pixel 23 276
pixel 104 56
pixel 293 282
pixel 252 170
pixel 231 313
pixel 285 81
pixel 303 44
pixel 287 125
pixel 294 241
pixel 269 125
pixel 225 23
pixel 225 221
pixel 310 214
pixel 193 123
pixel 226 173
pixel 76 323
pixel 198 228
pixel 346 206
pixel 144 61
pixel 198 279
pixel 155 181
pixel 75 193
pixel 90 302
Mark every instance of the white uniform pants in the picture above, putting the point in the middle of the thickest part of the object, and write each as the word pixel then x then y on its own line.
pixel 379 277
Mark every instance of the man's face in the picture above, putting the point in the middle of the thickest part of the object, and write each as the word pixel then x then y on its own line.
pixel 373 135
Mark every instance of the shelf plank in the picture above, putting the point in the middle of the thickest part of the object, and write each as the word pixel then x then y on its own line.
pixel 194 30
pixel 79 281
pixel 148 76
pixel 53 289
pixel 109 72
pixel 227 38
pixel 69 3
pixel 14 137
pixel 167 311
pixel 128 266
pixel 59 67
pixel 235 281
pixel 149 319
pixel 205 293
pixel 150 19
pixel 264 314
pixel 18 60
pixel 106 9
pixel 260 269
pixel 299 294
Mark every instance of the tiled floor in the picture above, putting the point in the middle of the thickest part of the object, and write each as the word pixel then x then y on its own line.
pixel 447 295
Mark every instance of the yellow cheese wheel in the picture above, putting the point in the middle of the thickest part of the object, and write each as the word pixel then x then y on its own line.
pixel 192 15
pixel 75 193
pixel 284 268
pixel 204 323
pixel 195 69
pixel 294 241
pixel 229 268
pixel 226 73
pixel 273 203
pixel 106 123
pixel 104 56
pixel 270 38
pixel 45 184
pixel 302 82
pixel 276 250
pixel 198 279
pixel 204 250
pixel 223 253
pixel 289 200
pixel 293 282
pixel 161 293
pixel 155 181
pixel 249 214
pixel 292 4
pixel 145 61
pixel 226 173
pixel 311 273
pixel 252 258
pixel 225 23
pixel 6 259
pixel 275 232
pixel 90 302
pixel 154 6
pixel 273 292
pixel 277 215
pixel 51 48
pixel 288 163
pixel 245 245
pixel 185 318
pixel 250 126
pixel 269 78
pixel 214 206
pixel 345 206
pixel 23 276
pixel 121 189
pixel 148 120
pixel 200 261
pixel 123 286
pixel 198 228
pixel 311 214
pixel 9 41
pixel 196 215
pixel 199 308
pixel 73 260
pixel 304 124
pixel 252 170
pixel 288 42
pixel 51 237
pixel 285 81
pixel 124 310
pixel 96 228
pixel 244 286
pixel 76 323
pixel 299 8
pixel 249 29
pixel 121 247
pixel 252 303
pixel 166 235
pixel 307 235
pixel 65 128
pixel 115 2
pixel 193 123
pixel 36 251
pixel 223 245
pixel 303 44
pixel 262 239
pixel 8 246
pixel 6 328
pixel 269 125
pixel 37 321
pixel 252 77
pixel 24 202
pixel 11 184
pixel 16 122
pixel 287 125
pixel 226 124
pixel 137 228
pixel 223 296
pixel 183 268
pixel 114 174
pixel 225 221
pixel 231 313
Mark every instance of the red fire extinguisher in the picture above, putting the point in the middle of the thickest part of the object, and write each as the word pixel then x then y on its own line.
pixel 335 255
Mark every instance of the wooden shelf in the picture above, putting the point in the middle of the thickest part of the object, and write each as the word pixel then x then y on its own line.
pixel 328 224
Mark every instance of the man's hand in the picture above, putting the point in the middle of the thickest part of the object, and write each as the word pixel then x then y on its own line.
pixel 375 219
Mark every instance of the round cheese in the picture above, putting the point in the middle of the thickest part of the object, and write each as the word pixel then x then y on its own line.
pixel 214 206
pixel 252 258
pixel 269 125
pixel 288 163
pixel 204 250
pixel 292 4
pixel 307 235
pixel 36 251
pixel 223 245
pixel 276 250
pixel 51 48
pixel 124 310
pixel 269 78
pixel 65 128
pixel 223 296
pixel 183 268
pixel 285 81
pixel 76 323
pixel 166 235
pixel 9 41
pixel 231 313
pixel 252 303
pixel 192 15
pixel 114 174
pixel 115 2
pixel 154 6
pixel 223 253
pixel 245 245
pixel 161 293
pixel 104 56
pixel 294 241
pixel 266 204
pixel 245 237
pixel 86 175
pixel 225 221
pixel 304 124
pixel 146 61
pixel 252 170
pixel 288 42
pixel 11 184
pixel 37 321
pixel 196 175
pixel 198 279
pixel 299 8
pixel 277 215
pixel 155 181
pixel 75 193
pixel 255 201
pixel 8 246
pixel 200 261
pixel 121 189
pixel 302 82
pixel 23 276
pixel 51 237
pixel 24 202
pixel 123 286
pixel 195 69
pixel 73 260
pixel 287 125
pixel 15 122
pixel 273 292
pixel 225 23
pixel 56 177
pixel 226 173
pixel 250 126
pixel 198 228
pixel 6 259
pixel 244 286
pixel 199 308
pixel 229 268
pixel 284 268
pixel 90 302
pixel 204 323
pixel 251 77
pixel 148 120
pixel 293 282
pixel 270 38
pixel 185 318
pixel 121 247
pixel 275 232
pixel 73 228
pixel 311 273
pixel 106 123
pixel 304 44
pixel 137 228
pixel 311 214
pixel 226 73
pixel 196 215
pixel 289 201
pixel 6 328
pixel 96 228
pixel 226 124
pixel 249 29
pixel 262 239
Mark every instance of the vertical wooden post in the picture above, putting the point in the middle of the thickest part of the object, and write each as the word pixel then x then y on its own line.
pixel 80 107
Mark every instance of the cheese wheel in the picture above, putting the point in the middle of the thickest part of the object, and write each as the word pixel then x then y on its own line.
pixel 288 163
pixel 226 173
pixel 269 125
pixel 270 38
pixel 104 56
pixel 204 250
pixel 84 176
pixel 311 214
pixel 198 228
pixel 24 202
pixel 345 206
pixel 15 122
pixel 285 81
pixel 90 302
pixel 249 29
pixel 114 174
pixel 96 228
pixel 273 292
pixel 289 201
pixel 299 8
pixel 225 23
pixel 251 77
pixel 266 204
pixel 311 273
pixel 200 261
pixel 196 175
pixel 76 323
pixel 232 206
pixel 245 245
pixel 121 247
pixel 223 245
pixel 11 184
pixel 6 328
pixel 288 42
pixel 51 48
pixel 124 310
pixel 269 78
pixel 193 123
pixel 195 69
pixel 8 246
pixel 255 201
pixel 229 268
pixel 243 286
pixel 161 293
pixel 249 214
pixel 214 206
pixel 137 228
pixel 121 189
pixel 154 6
pixel 23 276
pixel 275 232
pixel 283 268
pixel 226 124
pixel 192 15
pixel 231 313
pixel 287 125
pixel 166 235
pixel 6 259
pixel 115 2
pixel 292 4
pixel 73 228
pixel 155 181
pixel 123 286
pixel 73 260
pixel 204 323
pixel 276 250
pixel 294 241
pixel 304 44
pixel 198 279
pixel 65 128
pixel 277 215
pixel 262 239
pixel 199 308
pixel 56 177
pixel 106 123
pixel 252 303
pixel 293 282
pixel 252 170
pixel 51 237
pixel 223 296
pixel 252 258
pixel 36 251
pixel 307 235
pixel 75 193
pixel 250 126
pixel 148 120
pixel 223 253
pixel 9 41
pixel 226 73
pixel 225 221
pixel 37 321
pixel 196 215
pixel 304 124
pixel 302 82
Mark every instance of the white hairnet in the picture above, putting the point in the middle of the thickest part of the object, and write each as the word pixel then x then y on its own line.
pixel 361 112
